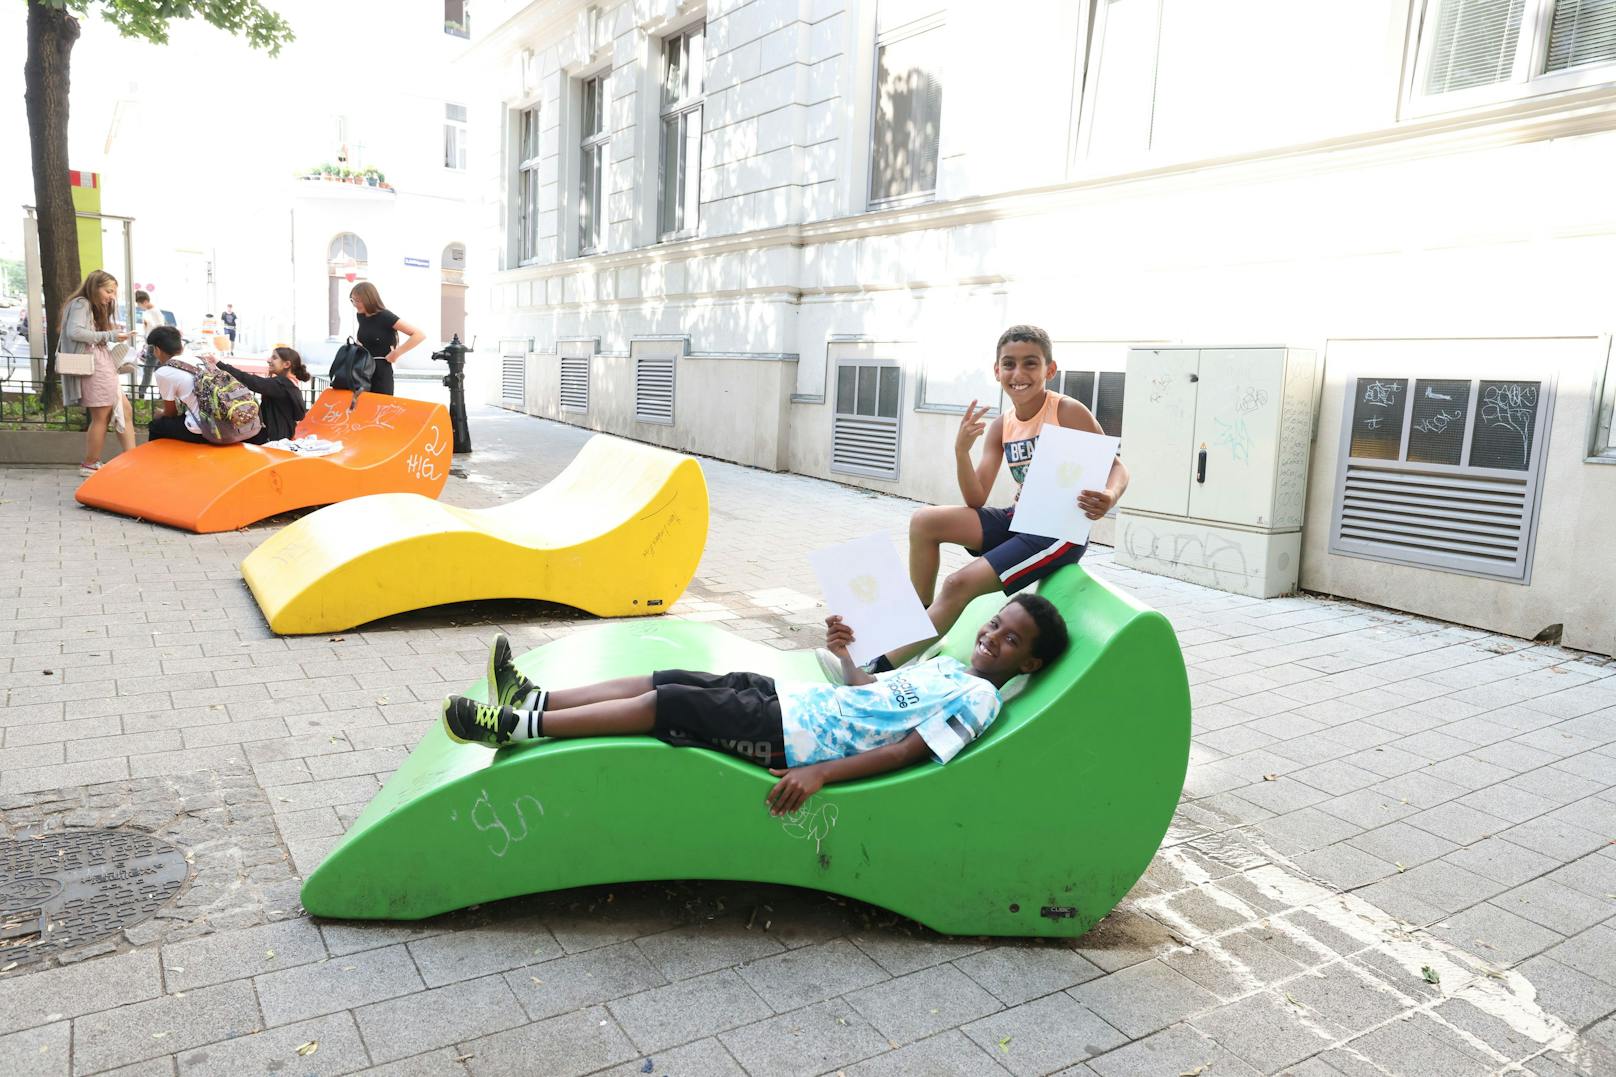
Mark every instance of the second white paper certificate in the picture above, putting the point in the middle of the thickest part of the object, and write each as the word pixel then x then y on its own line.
pixel 866 583
pixel 1066 463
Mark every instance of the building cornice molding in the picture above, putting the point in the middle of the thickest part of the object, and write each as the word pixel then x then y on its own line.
pixel 1520 122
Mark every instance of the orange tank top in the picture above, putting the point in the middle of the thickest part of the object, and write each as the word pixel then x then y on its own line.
pixel 1021 436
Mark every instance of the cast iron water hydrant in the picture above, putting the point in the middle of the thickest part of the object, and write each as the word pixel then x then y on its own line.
pixel 454 353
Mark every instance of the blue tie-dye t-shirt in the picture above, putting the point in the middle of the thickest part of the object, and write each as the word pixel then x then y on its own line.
pixel 941 699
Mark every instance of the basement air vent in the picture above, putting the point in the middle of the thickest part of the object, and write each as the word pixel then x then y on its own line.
pixel 575 383
pixel 653 389
pixel 513 373
pixel 1442 473
pixel 864 432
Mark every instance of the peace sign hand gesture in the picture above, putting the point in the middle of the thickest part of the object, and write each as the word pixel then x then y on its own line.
pixel 971 427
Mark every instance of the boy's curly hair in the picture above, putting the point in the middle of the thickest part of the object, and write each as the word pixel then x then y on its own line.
pixel 1029 334
pixel 1052 635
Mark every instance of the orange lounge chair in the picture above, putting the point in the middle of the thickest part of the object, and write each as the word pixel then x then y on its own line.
pixel 389 445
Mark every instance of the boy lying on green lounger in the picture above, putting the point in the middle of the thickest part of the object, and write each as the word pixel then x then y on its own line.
pixel 807 735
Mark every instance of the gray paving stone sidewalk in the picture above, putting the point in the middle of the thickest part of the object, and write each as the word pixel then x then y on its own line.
pixel 1394 854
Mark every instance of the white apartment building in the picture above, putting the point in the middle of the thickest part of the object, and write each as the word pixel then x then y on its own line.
pixel 788 233
pixel 216 151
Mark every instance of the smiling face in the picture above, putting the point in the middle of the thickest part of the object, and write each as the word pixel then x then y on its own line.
pixel 1022 370
pixel 108 294
pixel 276 365
pixel 1004 645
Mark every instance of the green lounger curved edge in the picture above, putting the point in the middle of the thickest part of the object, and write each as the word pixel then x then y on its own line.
pixel 1039 828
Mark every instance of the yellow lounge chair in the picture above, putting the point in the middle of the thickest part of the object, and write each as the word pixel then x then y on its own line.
pixel 618 534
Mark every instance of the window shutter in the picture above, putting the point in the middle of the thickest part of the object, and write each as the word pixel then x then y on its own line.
pixel 865 428
pixel 653 389
pixel 1474 44
pixel 1582 32
pixel 575 383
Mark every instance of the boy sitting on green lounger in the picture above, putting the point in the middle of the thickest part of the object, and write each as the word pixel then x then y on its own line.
pixel 807 735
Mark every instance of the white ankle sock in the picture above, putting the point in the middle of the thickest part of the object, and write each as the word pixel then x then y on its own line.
pixel 530 716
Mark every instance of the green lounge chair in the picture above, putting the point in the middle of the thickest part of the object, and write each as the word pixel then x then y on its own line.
pixel 1038 828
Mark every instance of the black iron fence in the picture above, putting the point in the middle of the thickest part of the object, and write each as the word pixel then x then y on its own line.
pixel 22 404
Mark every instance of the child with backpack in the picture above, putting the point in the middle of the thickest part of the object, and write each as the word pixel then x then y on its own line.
pixel 280 401
pixel 219 410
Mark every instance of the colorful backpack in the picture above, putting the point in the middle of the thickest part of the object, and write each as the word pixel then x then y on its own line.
pixel 227 412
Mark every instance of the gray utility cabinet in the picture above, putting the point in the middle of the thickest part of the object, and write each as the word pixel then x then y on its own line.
pixel 1217 444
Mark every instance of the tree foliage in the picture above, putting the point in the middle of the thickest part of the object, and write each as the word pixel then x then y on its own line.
pixel 150 19
pixel 52 30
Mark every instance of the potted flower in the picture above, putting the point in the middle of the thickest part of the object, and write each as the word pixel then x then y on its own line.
pixel 373 177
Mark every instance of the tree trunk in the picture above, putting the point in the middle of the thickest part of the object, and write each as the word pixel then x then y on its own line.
pixel 51 34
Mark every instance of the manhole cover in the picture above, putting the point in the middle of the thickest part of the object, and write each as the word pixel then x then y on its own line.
pixel 74 887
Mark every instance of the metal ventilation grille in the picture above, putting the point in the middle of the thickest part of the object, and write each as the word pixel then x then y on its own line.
pixel 653 389
pixel 575 383
pixel 865 445
pixel 1475 522
pixel 513 379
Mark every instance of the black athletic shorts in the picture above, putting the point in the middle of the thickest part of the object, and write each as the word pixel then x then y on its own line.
pixel 738 713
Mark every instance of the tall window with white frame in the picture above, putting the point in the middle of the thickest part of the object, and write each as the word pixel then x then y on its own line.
pixel 908 104
pixel 683 62
pixel 1478 51
pixel 594 138
pixel 454 137
pixel 527 185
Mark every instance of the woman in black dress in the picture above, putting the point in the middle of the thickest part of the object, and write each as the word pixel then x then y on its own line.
pixel 378 333
pixel 280 401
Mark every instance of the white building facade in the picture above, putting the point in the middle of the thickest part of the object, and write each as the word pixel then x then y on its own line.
pixel 788 233
pixel 239 196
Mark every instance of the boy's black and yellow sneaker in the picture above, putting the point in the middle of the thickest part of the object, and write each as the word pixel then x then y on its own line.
pixel 507 687
pixel 470 722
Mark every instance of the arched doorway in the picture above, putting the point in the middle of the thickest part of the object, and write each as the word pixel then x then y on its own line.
pixel 346 262
pixel 452 264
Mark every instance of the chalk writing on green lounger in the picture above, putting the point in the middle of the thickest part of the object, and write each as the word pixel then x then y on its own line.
pixel 486 817
pixel 810 822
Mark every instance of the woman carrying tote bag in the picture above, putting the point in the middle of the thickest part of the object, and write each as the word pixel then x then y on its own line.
pixel 378 333
pixel 89 373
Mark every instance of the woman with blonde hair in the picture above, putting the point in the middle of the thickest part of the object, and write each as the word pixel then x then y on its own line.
pixel 88 327
pixel 378 334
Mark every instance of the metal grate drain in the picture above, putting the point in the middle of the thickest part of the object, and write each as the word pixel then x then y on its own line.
pixel 73 887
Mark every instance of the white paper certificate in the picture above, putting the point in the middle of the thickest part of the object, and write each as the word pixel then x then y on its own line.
pixel 869 587
pixel 1066 463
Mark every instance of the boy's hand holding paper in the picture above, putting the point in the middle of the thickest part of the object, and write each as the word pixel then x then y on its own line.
pixel 1066 463
pixel 865 583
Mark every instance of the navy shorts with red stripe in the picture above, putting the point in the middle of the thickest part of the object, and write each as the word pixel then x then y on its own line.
pixel 1021 559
